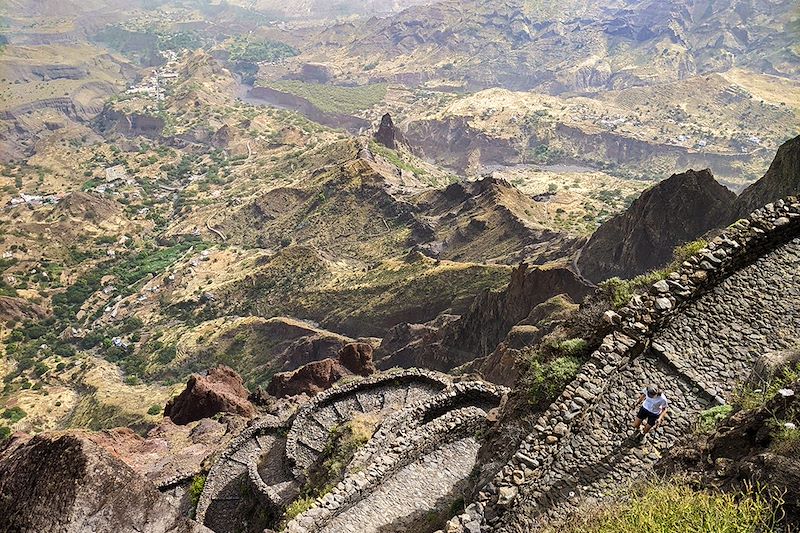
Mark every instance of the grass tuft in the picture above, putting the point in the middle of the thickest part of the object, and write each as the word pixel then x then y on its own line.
pixel 672 505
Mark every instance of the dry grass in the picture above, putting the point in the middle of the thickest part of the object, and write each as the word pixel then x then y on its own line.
pixel 670 506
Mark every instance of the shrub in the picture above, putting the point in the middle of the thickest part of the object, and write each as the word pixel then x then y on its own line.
pixel 154 409
pixel 14 414
pixel 786 441
pixel 672 505
pixel 298 507
pixel 196 489
pixel 620 291
pixel 546 381
pixel 710 418
pixel 573 347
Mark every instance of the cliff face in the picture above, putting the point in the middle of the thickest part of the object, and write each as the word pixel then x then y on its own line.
pixel 490 318
pixel 675 211
pixel 782 179
pixel 64 483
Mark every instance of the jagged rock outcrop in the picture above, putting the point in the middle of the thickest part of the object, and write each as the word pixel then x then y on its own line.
pixel 312 378
pixel 782 179
pixel 490 318
pixel 65 483
pixel 677 210
pixel 502 365
pixel 220 391
pixel 387 133
pixel 488 220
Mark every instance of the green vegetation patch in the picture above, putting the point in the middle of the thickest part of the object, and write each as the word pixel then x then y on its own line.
pixel 396 159
pixel 196 489
pixel 334 98
pixel 546 380
pixel 620 291
pixel 14 414
pixel 259 50
pixel 672 505
pixel 710 418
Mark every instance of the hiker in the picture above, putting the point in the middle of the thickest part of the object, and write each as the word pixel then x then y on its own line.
pixel 652 410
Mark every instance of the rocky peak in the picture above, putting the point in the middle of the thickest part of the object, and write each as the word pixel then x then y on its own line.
pixel 220 391
pixel 675 211
pixel 782 179
pixel 387 133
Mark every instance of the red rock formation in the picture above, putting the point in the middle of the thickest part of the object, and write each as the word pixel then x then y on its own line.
pixel 357 358
pixel 221 391
pixel 354 358
pixel 169 450
pixel 63 482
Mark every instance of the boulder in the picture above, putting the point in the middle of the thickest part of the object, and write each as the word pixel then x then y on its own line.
pixel 357 358
pixel 770 364
pixel 63 482
pixel 220 391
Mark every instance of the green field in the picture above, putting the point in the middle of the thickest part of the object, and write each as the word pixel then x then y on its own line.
pixel 334 98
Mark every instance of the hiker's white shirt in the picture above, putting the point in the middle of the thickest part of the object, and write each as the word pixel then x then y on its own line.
pixel 654 405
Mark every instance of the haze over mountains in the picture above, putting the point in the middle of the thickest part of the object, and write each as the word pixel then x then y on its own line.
pixel 317 194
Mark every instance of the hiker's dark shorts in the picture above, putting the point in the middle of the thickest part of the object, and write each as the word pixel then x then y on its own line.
pixel 644 414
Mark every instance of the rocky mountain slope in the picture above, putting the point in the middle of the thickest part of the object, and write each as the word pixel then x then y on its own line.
pixel 677 210
pixel 666 41
pixel 490 318
pixel 782 178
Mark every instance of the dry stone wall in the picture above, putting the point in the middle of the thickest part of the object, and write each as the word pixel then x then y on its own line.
pixel 710 319
pixel 422 412
pixel 458 414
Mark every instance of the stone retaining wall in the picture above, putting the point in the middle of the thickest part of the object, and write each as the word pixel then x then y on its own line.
pixel 348 389
pixel 738 246
pixel 400 441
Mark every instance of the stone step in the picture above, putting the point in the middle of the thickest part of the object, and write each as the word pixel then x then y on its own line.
pixel 247 452
pixel 394 398
pixel 224 515
pixel 371 400
pixel 230 483
pixel 266 441
pixel 328 417
pixel 417 393
pixel 306 454
pixel 314 437
pixel 346 407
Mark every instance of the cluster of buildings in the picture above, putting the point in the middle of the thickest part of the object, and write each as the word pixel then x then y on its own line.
pixel 34 200
pixel 153 85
